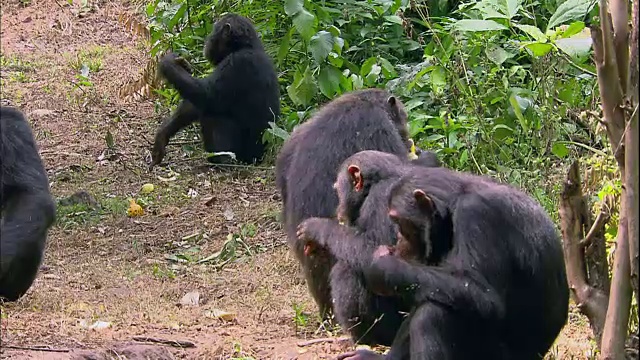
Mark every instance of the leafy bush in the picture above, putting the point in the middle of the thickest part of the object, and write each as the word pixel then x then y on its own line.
pixel 494 86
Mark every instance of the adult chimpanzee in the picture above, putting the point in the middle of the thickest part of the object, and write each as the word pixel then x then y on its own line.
pixel 362 187
pixel 235 103
pixel 307 164
pixel 499 292
pixel 28 210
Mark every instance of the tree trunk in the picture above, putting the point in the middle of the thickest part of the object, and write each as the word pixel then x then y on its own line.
pixel 591 301
pixel 611 50
pixel 631 157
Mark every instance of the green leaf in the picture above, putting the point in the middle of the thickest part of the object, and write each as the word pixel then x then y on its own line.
pixel 292 7
pixel 356 81
pixel 305 23
pixel 464 157
pixel 478 25
pixel 573 29
pixel 560 150
pixel 329 80
pixel 575 47
pixel 438 79
pixel 497 54
pixel 109 140
pixel 284 46
pixel 303 89
pixel 516 109
pixel 388 69
pixel 394 19
pixel 321 45
pixel 539 49
pixel 373 75
pixel 570 10
pixel 367 66
pixel 178 15
pixel 278 131
pixel 511 7
pixel 534 32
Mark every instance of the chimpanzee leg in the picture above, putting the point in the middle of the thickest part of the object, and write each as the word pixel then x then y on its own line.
pixel 370 319
pixel 184 115
pixel 439 333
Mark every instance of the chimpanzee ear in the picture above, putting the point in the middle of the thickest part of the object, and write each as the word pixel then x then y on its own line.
pixel 424 201
pixel 391 100
pixel 226 29
pixel 393 214
pixel 356 177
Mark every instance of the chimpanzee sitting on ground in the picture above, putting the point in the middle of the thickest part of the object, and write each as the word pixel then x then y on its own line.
pixel 307 163
pixel 234 104
pixel 28 210
pixel 362 187
pixel 501 291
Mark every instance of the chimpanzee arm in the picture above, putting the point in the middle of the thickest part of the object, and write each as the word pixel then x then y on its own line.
pixel 344 242
pixel 420 283
pixel 191 89
pixel 25 224
pixel 473 274
pixel 28 209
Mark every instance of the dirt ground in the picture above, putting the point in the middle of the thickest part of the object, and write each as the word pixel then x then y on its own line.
pixel 211 233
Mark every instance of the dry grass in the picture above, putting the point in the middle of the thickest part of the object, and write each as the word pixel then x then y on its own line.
pixel 104 266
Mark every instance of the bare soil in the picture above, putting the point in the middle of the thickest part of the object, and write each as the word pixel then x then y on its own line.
pixel 130 273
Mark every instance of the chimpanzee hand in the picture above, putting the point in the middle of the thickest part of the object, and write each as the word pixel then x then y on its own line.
pixel 382 250
pixel 380 273
pixel 311 231
pixel 171 59
pixel 159 150
pixel 360 355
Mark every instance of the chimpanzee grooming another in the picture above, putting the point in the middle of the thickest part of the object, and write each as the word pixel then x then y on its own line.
pixel 362 187
pixel 307 164
pixel 500 292
pixel 28 210
pixel 235 103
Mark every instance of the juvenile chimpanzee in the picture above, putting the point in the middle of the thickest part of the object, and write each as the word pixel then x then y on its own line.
pixel 363 188
pixel 28 210
pixel 307 163
pixel 235 103
pixel 500 292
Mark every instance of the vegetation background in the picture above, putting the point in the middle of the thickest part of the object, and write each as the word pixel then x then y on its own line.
pixel 506 88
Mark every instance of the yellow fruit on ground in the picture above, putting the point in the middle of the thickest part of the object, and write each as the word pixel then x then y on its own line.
pixel 147 188
pixel 134 209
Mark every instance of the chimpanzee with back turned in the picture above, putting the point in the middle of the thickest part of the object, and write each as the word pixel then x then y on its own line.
pixel 234 104
pixel 367 317
pixel 499 292
pixel 307 164
pixel 28 210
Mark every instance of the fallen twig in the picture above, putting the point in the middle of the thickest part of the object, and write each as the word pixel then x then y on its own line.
pixel 35 348
pixel 322 340
pixel 175 343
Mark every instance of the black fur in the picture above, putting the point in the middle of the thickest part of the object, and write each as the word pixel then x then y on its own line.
pixel 28 210
pixel 501 290
pixel 369 318
pixel 235 103
pixel 307 164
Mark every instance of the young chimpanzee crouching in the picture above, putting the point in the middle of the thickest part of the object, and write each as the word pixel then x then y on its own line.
pixel 234 104
pixel 28 210
pixel 362 187
pixel 500 292
pixel 307 163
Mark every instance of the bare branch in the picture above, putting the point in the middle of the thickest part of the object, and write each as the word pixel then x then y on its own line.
pixel 597 226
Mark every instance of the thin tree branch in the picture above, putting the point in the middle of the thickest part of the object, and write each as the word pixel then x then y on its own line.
pixel 598 224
